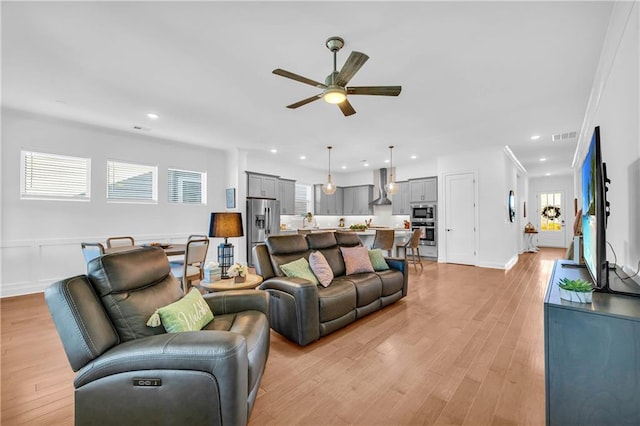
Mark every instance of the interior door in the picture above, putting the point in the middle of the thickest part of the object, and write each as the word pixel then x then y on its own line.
pixel 552 213
pixel 460 218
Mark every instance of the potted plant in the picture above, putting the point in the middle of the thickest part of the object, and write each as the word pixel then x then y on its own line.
pixel 575 290
pixel 238 272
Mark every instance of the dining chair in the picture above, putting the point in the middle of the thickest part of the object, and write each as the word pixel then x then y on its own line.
pixel 384 240
pixel 413 244
pixel 91 251
pixel 120 242
pixel 194 260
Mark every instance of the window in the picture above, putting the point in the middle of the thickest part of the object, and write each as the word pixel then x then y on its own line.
pixel 304 199
pixel 50 176
pixel 186 187
pixel 131 182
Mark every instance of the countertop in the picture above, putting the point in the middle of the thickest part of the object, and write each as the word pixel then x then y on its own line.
pixel 370 231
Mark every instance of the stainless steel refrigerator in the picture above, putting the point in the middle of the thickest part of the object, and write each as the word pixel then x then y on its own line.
pixel 263 219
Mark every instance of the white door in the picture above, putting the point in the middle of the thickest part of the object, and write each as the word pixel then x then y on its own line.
pixel 460 218
pixel 552 212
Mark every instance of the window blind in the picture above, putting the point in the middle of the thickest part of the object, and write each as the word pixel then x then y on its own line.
pixel 131 182
pixel 50 176
pixel 185 187
pixel 303 199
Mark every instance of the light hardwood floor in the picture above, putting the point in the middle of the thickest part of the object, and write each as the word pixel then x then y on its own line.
pixel 464 347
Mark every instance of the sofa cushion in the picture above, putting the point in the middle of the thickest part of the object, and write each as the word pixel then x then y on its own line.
pixel 321 268
pixel 392 281
pixel 368 287
pixel 348 239
pixel 285 249
pixel 320 240
pixel 336 300
pixel 356 260
pixel 299 269
pixel 377 260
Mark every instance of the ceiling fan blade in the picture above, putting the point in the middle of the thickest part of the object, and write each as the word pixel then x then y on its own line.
pixel 299 78
pixel 375 90
pixel 346 108
pixel 304 101
pixel 351 67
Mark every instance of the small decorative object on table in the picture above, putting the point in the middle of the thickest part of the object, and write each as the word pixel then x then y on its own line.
pixel 212 272
pixel 238 272
pixel 575 290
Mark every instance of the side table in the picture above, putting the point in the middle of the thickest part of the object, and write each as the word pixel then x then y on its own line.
pixel 531 247
pixel 251 282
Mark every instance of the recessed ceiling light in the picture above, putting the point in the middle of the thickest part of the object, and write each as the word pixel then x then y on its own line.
pixel 413 157
pixel 543 159
pixel 273 150
pixel 547 174
pixel 153 116
pixel 303 157
pixel 535 137
pixel 386 161
pixel 343 167
pixel 366 164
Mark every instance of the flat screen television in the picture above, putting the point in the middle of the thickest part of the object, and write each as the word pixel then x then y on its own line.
pixel 594 213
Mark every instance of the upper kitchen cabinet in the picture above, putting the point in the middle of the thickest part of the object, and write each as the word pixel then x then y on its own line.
pixel 262 186
pixel 425 189
pixel 357 199
pixel 328 205
pixel 400 201
pixel 287 196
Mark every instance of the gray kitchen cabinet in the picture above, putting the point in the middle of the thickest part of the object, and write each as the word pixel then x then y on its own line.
pixel 592 355
pixel 328 205
pixel 262 186
pixel 287 196
pixel 424 189
pixel 357 199
pixel 400 201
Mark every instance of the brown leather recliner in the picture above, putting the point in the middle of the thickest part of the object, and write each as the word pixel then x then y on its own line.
pixel 131 374
pixel 302 311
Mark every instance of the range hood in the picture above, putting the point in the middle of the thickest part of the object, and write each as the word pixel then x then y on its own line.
pixel 383 200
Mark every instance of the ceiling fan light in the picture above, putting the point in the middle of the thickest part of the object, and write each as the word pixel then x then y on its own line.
pixel 334 95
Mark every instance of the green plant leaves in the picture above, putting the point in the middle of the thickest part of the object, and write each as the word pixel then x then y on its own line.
pixel 579 285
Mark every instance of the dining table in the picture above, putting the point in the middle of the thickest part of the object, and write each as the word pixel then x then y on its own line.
pixel 169 250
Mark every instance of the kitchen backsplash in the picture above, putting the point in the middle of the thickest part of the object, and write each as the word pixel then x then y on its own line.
pixel 382 217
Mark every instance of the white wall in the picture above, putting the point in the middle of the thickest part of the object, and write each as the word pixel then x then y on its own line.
pixel 614 106
pixel 41 239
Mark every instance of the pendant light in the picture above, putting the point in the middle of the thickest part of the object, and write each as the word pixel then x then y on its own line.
pixel 391 187
pixel 329 188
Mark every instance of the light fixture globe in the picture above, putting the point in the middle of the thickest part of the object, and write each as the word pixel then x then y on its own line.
pixel 329 188
pixel 334 95
pixel 391 187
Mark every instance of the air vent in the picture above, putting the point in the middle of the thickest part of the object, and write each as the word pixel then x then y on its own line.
pixel 146 129
pixel 564 136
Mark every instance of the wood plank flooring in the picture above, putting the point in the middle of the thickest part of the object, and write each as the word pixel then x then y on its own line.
pixel 465 347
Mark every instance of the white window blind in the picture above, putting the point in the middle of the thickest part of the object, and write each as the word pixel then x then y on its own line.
pixel 185 187
pixel 303 199
pixel 50 176
pixel 131 182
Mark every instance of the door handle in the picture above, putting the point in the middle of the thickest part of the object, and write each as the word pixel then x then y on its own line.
pixel 448 229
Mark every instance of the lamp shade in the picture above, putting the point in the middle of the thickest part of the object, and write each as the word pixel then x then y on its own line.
pixel 225 225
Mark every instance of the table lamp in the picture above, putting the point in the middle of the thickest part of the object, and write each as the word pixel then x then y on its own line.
pixel 225 225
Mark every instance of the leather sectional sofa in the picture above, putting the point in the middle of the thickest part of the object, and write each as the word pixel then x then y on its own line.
pixel 302 311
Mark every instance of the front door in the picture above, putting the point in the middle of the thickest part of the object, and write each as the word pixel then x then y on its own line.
pixel 460 218
pixel 551 219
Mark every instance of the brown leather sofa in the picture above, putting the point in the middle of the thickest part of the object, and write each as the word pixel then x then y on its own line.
pixel 302 311
pixel 131 374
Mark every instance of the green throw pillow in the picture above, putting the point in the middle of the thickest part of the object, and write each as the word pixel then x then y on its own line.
pixel 299 269
pixel 377 260
pixel 190 313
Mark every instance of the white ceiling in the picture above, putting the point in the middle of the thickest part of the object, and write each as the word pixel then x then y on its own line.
pixel 473 74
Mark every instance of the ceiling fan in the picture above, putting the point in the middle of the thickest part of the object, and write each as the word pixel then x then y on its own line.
pixel 334 87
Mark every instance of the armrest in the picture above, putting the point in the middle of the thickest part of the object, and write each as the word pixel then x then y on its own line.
pixel 220 353
pixel 229 302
